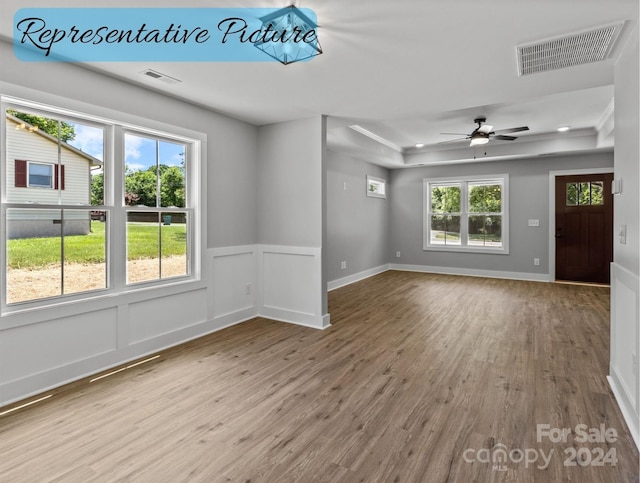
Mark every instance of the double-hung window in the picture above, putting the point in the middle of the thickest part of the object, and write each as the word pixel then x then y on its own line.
pixel 467 214
pixel 92 205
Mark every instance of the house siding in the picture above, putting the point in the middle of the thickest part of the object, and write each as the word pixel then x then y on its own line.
pixel 25 145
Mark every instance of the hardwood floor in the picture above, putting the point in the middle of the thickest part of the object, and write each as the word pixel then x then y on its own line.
pixel 421 378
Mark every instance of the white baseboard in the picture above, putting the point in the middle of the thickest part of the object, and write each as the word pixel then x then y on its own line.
pixel 227 320
pixel 356 277
pixel 471 272
pixel 296 318
pixel 626 408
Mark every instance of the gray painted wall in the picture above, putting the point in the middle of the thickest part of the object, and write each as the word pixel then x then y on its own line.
pixel 627 155
pixel 357 225
pixel 231 144
pixel 289 183
pixel 529 198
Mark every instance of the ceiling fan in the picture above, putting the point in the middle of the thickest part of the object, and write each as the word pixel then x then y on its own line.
pixel 484 132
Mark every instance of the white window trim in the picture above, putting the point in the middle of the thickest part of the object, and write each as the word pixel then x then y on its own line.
pixel 464 215
pixel 112 121
pixel 51 178
pixel 379 181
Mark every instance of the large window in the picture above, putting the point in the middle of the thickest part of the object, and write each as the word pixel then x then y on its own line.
pixel 466 214
pixel 90 205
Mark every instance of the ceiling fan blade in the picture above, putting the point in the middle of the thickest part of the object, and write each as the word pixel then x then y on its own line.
pixel 455 133
pixel 513 129
pixel 485 128
pixel 453 140
pixel 505 138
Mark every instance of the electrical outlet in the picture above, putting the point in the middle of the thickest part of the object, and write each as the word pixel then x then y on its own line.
pixel 536 261
pixel 343 265
pixel 247 289
pixel 344 186
pixel 398 254
pixel 634 361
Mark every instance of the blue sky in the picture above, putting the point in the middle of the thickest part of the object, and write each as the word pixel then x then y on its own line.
pixel 89 139
pixel 140 152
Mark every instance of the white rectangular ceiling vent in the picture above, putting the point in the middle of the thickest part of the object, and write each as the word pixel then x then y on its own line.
pixel 160 76
pixel 579 48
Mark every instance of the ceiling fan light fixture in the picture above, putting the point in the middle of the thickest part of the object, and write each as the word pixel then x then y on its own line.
pixel 479 138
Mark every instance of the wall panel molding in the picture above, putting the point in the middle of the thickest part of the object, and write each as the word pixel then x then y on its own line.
pixel 625 345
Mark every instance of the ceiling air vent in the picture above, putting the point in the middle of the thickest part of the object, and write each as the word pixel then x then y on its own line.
pixel 160 76
pixel 575 49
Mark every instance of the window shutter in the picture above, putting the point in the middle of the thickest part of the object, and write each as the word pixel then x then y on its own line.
pixel 20 174
pixel 59 177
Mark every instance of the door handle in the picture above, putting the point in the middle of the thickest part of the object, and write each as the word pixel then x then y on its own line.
pixel 559 233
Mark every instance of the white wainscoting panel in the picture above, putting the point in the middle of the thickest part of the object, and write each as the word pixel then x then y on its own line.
pixel 234 283
pixel 155 317
pixel 32 349
pixel 625 345
pixel 291 283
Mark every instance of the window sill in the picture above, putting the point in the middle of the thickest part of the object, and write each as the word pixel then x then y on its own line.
pixel 461 249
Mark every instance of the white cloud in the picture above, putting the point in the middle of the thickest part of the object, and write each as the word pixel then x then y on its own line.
pixel 132 148
pixel 90 140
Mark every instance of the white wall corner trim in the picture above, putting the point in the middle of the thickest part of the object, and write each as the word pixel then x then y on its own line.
pixel 356 277
pixel 470 272
pixel 625 345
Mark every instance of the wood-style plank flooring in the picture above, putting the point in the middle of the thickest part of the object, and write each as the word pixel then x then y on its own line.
pixel 421 378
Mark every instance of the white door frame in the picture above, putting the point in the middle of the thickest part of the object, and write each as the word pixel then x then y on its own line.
pixel 552 209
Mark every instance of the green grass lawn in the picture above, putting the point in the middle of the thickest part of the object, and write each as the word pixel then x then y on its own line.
pixel 142 243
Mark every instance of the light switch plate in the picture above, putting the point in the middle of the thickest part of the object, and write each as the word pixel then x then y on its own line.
pixel 534 222
pixel 622 233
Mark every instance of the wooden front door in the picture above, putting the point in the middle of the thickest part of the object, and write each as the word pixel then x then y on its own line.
pixel 584 227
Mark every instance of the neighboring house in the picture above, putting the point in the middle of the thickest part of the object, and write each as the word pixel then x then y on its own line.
pixel 35 176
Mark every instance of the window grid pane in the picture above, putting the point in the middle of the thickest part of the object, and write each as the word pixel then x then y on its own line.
pixel 54 252
pixel 445 198
pixel 445 230
pixel 143 246
pixel 485 231
pixel 585 193
pixel 485 198
pixel 174 242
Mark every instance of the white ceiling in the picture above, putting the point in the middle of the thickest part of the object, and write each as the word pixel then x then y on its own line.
pixel 405 70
